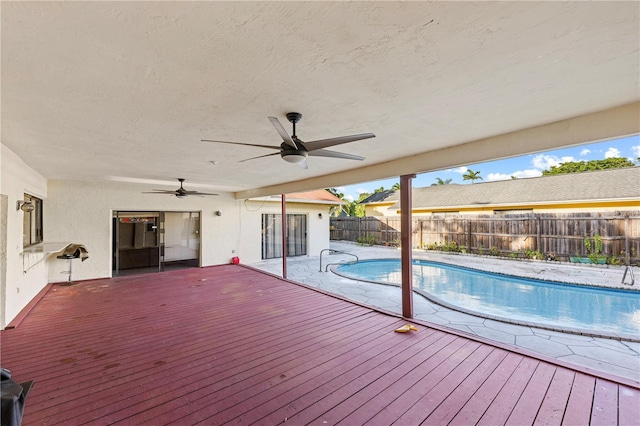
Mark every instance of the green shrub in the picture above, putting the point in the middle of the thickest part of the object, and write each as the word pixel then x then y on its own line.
pixel 614 260
pixel 594 249
pixel 448 246
pixel 533 254
pixel 367 241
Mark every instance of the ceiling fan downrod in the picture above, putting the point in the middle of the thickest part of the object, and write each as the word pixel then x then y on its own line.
pixel 294 117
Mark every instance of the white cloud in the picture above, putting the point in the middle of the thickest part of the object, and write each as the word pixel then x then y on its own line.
pixel 349 197
pixel 544 162
pixel 612 153
pixel 461 170
pixel 361 190
pixel 520 174
pixel 497 176
pixel 584 152
pixel 340 188
pixel 636 150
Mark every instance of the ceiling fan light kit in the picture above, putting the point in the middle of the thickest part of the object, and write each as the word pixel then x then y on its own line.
pixel 294 150
pixel 293 156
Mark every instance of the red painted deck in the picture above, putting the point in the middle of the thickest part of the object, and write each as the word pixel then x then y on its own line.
pixel 229 344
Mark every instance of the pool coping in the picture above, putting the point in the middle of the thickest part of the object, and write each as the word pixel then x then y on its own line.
pixel 434 299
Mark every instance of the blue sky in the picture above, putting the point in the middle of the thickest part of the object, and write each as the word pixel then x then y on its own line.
pixel 520 167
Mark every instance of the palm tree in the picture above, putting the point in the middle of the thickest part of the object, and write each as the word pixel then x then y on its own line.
pixel 336 193
pixel 441 182
pixel 396 187
pixel 471 175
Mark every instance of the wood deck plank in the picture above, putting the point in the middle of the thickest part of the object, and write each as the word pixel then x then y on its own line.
pixel 461 395
pixel 313 371
pixel 605 403
pixel 531 399
pixel 503 404
pixel 131 324
pixel 228 343
pixel 432 399
pixel 553 406
pixel 230 368
pixel 179 352
pixel 310 409
pixel 308 392
pixel 84 358
pixel 246 384
pixel 629 403
pixel 188 365
pixel 437 369
pixel 473 410
pixel 581 396
pixel 184 342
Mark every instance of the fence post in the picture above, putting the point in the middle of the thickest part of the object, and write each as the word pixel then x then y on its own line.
pixel 538 233
pixel 627 255
pixel 493 232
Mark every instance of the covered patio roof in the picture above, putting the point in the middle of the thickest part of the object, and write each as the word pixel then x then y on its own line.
pixel 125 91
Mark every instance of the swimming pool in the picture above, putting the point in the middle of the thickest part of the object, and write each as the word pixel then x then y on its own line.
pixel 521 300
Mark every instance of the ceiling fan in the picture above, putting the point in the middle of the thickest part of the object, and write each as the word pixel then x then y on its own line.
pixel 180 192
pixel 294 150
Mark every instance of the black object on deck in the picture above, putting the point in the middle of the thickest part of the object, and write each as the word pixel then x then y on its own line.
pixel 13 399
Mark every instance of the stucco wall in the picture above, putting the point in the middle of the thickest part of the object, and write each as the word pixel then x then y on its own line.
pixel 376 210
pixel 81 212
pixel 317 228
pixel 17 288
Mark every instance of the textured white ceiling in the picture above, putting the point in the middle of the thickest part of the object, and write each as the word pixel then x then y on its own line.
pixel 126 90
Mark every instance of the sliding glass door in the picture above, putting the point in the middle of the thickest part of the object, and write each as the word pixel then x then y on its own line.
pixel 272 235
pixel 154 241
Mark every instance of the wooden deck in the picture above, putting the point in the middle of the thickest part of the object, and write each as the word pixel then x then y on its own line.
pixel 228 344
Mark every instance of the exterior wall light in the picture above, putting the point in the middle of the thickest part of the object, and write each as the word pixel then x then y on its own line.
pixel 25 206
pixel 218 213
pixel 319 215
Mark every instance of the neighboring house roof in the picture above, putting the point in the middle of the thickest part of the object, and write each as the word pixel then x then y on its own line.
pixel 602 185
pixel 380 197
pixel 318 196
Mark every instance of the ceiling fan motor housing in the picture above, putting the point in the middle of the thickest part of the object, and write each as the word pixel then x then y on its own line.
pixel 292 155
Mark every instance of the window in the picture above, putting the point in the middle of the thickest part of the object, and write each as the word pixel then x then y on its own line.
pixel 32 222
pixel 272 235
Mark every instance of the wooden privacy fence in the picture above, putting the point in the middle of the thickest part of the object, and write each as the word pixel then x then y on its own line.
pixel 559 235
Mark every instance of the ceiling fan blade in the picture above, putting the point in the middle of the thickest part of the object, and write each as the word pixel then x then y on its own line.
pixel 283 133
pixel 326 143
pixel 334 154
pixel 260 156
pixel 245 144
pixel 159 191
pixel 198 193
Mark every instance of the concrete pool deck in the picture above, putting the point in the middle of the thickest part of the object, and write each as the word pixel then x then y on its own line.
pixel 617 357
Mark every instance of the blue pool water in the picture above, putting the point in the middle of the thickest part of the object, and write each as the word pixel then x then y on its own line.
pixel 521 299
